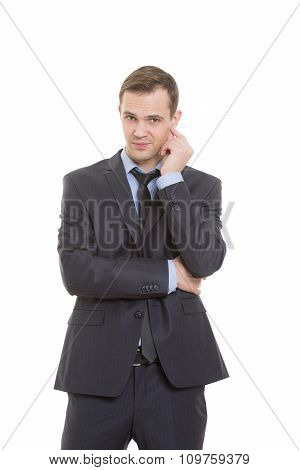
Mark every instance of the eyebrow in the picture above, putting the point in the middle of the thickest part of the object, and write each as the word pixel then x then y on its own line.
pixel 149 115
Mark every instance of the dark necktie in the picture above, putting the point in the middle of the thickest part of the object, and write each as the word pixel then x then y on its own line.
pixel 143 193
pixel 144 197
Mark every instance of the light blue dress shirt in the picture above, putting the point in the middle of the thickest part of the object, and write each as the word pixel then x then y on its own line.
pixel 159 183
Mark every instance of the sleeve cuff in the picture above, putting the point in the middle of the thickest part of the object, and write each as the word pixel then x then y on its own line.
pixel 168 179
pixel 172 276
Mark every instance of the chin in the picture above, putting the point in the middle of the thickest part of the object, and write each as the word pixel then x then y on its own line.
pixel 143 154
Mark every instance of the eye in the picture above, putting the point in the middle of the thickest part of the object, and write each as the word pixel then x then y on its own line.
pixel 131 117
pixel 155 119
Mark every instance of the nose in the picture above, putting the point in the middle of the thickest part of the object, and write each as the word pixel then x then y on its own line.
pixel 140 130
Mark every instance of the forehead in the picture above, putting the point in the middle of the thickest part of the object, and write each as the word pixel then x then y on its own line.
pixel 141 105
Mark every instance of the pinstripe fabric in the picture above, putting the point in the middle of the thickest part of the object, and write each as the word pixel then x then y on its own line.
pixel 160 406
pixel 97 355
pixel 151 411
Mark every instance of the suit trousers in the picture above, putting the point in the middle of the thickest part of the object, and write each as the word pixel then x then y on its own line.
pixel 150 410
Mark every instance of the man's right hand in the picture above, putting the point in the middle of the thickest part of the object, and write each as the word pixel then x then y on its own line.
pixel 185 281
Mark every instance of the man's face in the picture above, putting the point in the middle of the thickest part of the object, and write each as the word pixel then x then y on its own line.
pixel 146 119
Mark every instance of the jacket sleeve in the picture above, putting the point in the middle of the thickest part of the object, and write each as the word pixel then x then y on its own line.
pixel 195 226
pixel 86 273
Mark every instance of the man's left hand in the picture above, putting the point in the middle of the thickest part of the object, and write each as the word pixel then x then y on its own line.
pixel 176 151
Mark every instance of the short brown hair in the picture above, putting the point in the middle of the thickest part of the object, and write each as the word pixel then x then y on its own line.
pixel 147 79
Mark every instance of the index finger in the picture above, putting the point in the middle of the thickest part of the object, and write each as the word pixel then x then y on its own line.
pixel 175 132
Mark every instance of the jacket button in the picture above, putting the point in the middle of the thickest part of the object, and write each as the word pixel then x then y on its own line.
pixel 138 314
pixel 156 287
pixel 172 196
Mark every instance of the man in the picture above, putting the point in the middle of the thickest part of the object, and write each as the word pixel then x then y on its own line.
pixel 139 232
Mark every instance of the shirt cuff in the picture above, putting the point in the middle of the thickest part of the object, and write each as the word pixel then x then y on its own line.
pixel 169 178
pixel 172 276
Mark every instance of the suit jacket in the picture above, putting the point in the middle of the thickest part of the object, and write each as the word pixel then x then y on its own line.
pixel 116 273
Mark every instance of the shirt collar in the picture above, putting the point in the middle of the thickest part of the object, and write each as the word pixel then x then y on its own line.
pixel 129 163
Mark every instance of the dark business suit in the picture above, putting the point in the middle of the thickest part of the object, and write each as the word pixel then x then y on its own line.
pixel 116 274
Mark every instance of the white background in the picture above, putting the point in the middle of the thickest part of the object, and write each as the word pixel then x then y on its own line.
pixel 62 65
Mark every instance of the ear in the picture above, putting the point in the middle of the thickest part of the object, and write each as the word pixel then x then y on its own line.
pixel 176 118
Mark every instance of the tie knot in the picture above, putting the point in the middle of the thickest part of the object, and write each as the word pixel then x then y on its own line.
pixel 144 178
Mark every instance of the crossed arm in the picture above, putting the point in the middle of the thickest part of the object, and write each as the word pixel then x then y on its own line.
pixel 86 273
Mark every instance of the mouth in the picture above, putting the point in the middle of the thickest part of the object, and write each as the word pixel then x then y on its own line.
pixel 141 145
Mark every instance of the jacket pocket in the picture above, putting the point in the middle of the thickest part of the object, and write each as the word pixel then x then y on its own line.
pixel 192 305
pixel 81 316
